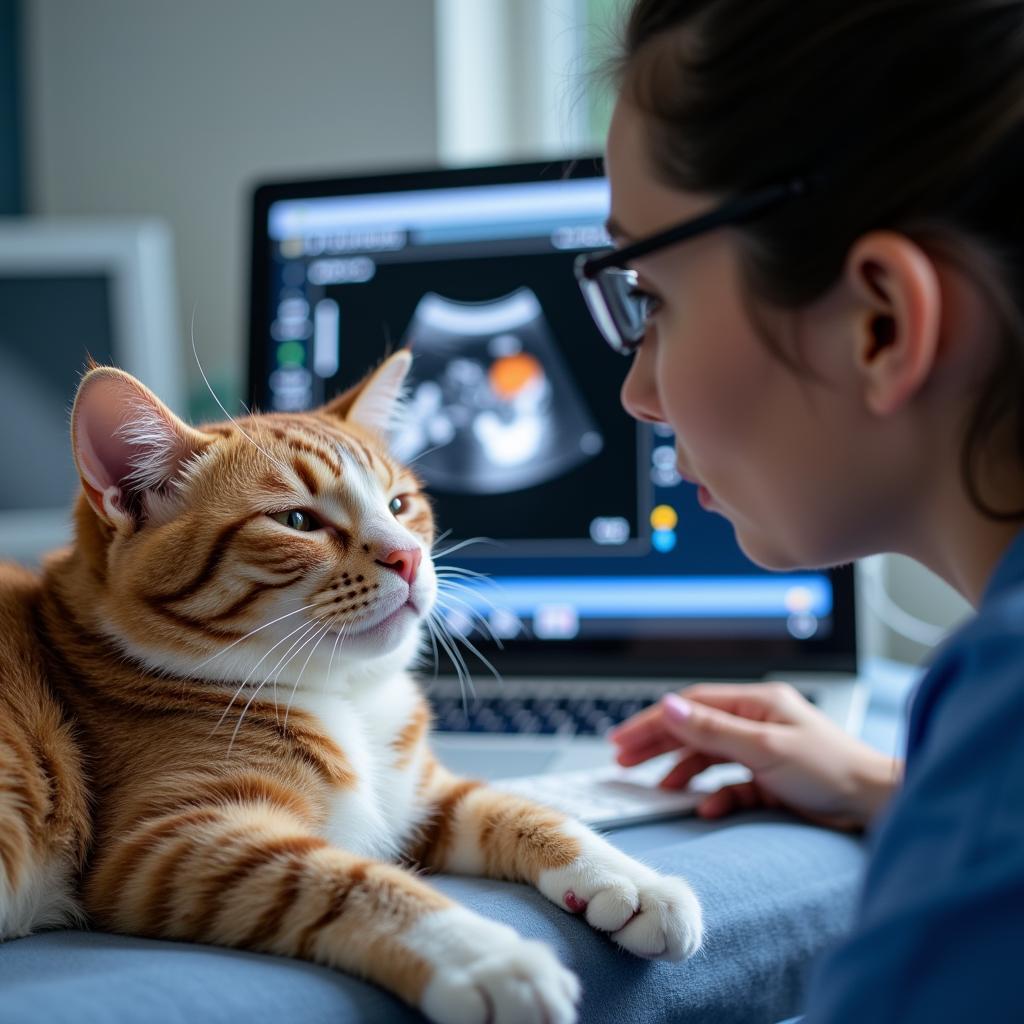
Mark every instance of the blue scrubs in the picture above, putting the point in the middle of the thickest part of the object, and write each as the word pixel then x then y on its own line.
pixel 940 932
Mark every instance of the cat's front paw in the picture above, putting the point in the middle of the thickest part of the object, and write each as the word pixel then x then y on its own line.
pixel 485 973
pixel 651 915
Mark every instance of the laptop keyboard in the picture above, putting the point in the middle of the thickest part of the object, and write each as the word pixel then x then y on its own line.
pixel 564 716
pixel 538 716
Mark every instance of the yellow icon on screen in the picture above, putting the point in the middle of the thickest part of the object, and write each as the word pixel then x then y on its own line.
pixel 663 517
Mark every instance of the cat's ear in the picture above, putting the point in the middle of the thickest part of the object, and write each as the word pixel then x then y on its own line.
pixel 126 442
pixel 375 401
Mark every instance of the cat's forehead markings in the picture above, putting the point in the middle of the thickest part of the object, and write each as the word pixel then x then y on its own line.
pixel 360 481
pixel 374 461
pixel 309 444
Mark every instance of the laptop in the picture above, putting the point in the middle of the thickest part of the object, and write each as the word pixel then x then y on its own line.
pixel 574 562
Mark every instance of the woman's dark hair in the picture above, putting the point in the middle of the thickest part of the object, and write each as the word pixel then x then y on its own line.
pixel 909 112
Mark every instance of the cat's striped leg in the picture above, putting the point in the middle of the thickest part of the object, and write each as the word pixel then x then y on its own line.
pixel 480 831
pixel 253 876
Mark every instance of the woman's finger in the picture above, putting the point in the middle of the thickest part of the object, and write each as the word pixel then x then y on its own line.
pixel 757 701
pixel 628 756
pixel 686 768
pixel 739 796
pixel 640 729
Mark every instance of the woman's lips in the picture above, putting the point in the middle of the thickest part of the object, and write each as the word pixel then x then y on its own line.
pixel 704 497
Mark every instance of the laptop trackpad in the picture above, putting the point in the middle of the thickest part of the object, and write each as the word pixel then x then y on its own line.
pixel 498 758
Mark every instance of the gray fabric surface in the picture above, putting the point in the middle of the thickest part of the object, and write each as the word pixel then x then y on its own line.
pixel 774 893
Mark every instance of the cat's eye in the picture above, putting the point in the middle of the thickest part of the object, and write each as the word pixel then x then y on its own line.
pixel 399 504
pixel 297 519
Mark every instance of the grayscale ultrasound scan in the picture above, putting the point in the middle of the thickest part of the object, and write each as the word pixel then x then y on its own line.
pixel 492 407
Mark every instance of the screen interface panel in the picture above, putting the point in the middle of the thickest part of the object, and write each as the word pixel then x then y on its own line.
pixel 514 420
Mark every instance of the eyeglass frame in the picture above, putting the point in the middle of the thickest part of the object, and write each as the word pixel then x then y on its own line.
pixel 739 210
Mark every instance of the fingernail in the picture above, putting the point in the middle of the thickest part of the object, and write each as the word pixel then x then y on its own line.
pixel 677 708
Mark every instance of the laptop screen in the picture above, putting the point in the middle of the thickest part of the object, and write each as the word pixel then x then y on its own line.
pixel 597 557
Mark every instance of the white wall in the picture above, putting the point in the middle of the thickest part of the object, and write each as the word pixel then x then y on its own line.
pixel 175 108
pixel 512 79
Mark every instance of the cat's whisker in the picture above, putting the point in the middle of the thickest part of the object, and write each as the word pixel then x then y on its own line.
pixel 461 583
pixel 472 612
pixel 461 572
pixel 458 572
pixel 334 650
pixel 323 632
pixel 437 540
pixel 473 581
pixel 465 544
pixel 433 646
pixel 423 454
pixel 463 639
pixel 209 387
pixel 454 589
pixel 434 628
pixel 266 625
pixel 252 672
pixel 276 670
pixel 293 651
pixel 448 642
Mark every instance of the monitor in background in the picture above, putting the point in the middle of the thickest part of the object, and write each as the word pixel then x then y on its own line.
pixel 70 289
pixel 602 555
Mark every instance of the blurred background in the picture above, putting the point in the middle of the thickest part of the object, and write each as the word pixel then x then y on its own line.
pixel 174 111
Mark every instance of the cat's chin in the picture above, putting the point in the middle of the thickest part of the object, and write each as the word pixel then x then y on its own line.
pixel 384 636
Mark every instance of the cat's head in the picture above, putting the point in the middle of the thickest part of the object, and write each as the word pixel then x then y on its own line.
pixel 251 547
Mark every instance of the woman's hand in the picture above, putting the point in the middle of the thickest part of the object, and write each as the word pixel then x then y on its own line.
pixel 799 758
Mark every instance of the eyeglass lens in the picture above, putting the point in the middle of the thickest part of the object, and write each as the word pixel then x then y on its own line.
pixel 619 310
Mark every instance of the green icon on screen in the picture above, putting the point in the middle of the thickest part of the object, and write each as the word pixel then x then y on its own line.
pixel 291 353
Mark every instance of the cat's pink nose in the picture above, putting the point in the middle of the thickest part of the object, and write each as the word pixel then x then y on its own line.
pixel 405 562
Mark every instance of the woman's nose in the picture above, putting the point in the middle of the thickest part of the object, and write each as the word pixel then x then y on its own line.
pixel 639 395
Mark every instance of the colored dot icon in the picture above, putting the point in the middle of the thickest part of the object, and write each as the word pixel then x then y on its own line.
pixel 291 353
pixel 664 517
pixel 664 520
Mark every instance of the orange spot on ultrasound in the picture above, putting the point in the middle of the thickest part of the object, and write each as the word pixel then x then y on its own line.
pixel 511 374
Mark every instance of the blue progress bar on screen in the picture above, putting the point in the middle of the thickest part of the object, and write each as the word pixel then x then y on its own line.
pixel 639 597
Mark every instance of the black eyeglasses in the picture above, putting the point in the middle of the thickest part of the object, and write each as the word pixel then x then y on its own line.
pixel 609 286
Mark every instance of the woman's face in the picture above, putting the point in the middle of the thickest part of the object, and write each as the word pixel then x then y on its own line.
pixel 785 455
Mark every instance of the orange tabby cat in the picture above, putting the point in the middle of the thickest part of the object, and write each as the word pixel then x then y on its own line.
pixel 137 795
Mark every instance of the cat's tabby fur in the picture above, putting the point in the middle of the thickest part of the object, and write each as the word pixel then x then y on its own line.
pixel 136 796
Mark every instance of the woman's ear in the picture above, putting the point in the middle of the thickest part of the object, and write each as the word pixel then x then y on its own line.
pixel 375 401
pixel 126 442
pixel 898 303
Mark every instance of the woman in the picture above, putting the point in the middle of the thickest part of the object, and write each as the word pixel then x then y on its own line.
pixel 827 306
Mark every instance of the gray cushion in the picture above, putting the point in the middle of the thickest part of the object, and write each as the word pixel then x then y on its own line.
pixel 774 893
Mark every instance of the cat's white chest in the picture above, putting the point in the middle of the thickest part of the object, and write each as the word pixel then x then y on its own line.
pixel 375 816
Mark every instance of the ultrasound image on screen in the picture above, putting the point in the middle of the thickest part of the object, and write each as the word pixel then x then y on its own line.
pixel 492 407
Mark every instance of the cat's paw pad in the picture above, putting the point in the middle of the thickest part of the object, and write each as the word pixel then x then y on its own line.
pixel 485 973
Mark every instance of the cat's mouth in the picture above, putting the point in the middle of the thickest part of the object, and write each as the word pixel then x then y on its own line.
pixel 394 618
